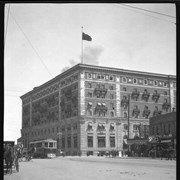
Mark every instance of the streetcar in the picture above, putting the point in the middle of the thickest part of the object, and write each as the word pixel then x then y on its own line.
pixel 46 148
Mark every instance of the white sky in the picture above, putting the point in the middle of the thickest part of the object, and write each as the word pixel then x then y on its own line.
pixel 122 37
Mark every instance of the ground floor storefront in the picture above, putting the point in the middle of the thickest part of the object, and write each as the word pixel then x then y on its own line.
pixel 157 148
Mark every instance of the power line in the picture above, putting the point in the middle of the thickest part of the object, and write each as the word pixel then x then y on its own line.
pixel 148 11
pixel 11 95
pixel 16 91
pixel 6 25
pixel 147 14
pixel 31 45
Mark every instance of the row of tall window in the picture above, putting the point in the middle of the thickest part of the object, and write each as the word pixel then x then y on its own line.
pixel 90 112
pixel 101 86
pixel 100 95
pixel 69 127
pixel 101 141
pixel 69 142
pixel 41 132
pixel 101 127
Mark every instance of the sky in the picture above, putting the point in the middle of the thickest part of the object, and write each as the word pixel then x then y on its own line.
pixel 43 40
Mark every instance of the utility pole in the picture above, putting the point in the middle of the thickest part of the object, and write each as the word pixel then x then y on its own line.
pixel 128 113
pixel 169 82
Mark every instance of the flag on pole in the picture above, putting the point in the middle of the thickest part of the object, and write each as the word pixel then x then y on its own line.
pixel 86 37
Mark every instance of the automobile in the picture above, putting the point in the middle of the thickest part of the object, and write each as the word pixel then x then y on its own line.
pixel 51 155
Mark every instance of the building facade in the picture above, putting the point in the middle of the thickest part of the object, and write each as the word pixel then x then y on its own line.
pixel 86 108
pixel 164 125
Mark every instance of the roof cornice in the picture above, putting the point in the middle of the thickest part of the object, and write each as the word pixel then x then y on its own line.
pixel 87 66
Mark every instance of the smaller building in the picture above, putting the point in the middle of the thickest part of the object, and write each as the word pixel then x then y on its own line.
pixel 163 127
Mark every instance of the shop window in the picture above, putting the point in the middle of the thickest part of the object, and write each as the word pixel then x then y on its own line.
pixel 112 141
pixel 101 141
pixel 90 141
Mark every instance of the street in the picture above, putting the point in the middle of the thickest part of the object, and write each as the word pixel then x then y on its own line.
pixel 100 168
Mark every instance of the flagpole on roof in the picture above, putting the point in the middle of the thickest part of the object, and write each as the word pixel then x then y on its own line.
pixel 82 45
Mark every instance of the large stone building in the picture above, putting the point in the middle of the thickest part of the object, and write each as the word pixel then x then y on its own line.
pixel 86 107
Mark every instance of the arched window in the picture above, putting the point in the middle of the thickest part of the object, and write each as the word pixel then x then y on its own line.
pixel 155 83
pixel 135 81
pixel 145 81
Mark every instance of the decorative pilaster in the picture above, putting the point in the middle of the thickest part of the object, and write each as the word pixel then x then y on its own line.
pixel 118 103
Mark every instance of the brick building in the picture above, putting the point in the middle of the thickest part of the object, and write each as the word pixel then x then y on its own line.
pixel 163 125
pixel 86 107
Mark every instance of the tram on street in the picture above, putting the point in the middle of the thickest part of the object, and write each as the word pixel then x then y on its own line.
pixel 46 148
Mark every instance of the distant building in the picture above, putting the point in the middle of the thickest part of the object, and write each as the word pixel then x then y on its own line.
pixel 86 107
pixel 163 125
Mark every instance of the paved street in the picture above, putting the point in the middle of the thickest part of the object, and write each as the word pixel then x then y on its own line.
pixel 100 168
